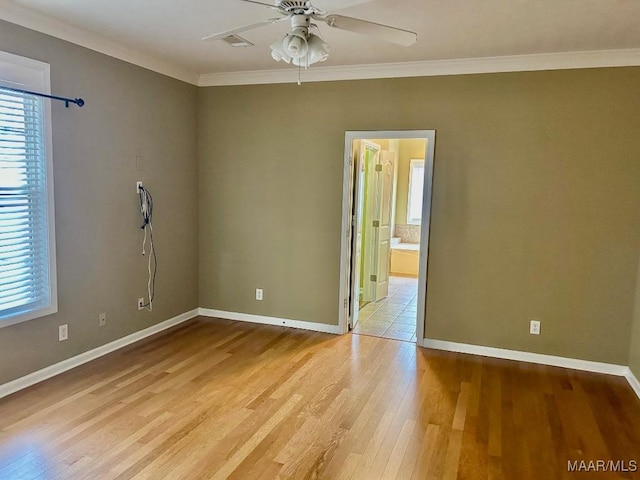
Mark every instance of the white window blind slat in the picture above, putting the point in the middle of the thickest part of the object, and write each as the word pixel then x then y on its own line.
pixel 16 240
pixel 21 290
pixel 20 263
pixel 17 272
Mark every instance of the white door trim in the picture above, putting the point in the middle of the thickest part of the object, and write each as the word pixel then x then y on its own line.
pixel 350 136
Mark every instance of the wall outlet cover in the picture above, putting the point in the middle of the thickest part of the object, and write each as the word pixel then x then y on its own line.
pixel 534 327
pixel 63 332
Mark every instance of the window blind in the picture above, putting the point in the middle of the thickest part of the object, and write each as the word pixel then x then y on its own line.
pixel 24 244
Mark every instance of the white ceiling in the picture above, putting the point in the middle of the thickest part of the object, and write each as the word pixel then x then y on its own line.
pixel 169 31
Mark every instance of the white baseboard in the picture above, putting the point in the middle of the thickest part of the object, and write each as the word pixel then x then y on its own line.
pixel 69 363
pixel 282 322
pixel 586 365
pixel 633 381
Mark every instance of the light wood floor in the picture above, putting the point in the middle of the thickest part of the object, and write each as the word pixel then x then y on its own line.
pixel 218 399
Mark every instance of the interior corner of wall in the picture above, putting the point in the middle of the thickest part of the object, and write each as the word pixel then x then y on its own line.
pixel 634 347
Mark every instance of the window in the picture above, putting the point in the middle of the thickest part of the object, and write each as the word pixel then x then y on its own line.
pixel 416 185
pixel 27 245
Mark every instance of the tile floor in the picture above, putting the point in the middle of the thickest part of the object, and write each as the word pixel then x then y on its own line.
pixel 394 316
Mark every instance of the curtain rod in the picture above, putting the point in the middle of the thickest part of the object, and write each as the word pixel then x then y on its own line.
pixel 78 101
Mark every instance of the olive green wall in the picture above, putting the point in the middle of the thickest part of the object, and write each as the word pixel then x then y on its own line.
pixel 409 149
pixel 535 203
pixel 535 214
pixel 634 351
pixel 129 112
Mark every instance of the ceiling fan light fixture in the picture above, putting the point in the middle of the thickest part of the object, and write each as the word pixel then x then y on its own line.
pixel 300 48
pixel 278 53
pixel 318 49
pixel 295 44
pixel 318 52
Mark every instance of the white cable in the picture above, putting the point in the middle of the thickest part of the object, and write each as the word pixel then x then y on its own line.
pixel 149 264
pixel 144 241
pixel 143 209
pixel 146 207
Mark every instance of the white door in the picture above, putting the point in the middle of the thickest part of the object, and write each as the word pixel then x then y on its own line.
pixel 370 157
pixel 382 222
pixel 356 225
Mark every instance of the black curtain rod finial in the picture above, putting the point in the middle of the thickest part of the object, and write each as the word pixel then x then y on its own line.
pixel 78 101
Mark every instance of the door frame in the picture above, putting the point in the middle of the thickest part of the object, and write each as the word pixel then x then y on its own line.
pixel 347 198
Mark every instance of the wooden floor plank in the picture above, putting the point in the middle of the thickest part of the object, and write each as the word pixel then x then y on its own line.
pixel 216 399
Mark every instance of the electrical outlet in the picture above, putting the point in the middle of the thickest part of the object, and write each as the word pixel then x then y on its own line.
pixel 138 186
pixel 102 319
pixel 63 332
pixel 258 294
pixel 534 327
pixel 140 303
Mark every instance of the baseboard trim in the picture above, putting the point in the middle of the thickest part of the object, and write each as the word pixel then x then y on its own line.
pixel 61 367
pixel 564 362
pixel 633 381
pixel 573 363
pixel 65 365
pixel 282 322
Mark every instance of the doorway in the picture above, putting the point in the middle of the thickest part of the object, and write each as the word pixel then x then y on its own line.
pixel 387 190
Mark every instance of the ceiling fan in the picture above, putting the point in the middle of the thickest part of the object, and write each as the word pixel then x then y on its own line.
pixel 303 48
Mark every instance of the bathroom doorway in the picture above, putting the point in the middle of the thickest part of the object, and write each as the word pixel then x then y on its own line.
pixel 386 209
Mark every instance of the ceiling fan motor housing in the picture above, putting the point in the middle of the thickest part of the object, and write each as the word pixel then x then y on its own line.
pixel 300 21
pixel 294 6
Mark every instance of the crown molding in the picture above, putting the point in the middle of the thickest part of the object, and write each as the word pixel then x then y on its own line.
pixel 13 13
pixel 462 66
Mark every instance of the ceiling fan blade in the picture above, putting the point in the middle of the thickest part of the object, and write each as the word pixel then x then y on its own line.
pixel 331 5
pixel 384 32
pixel 268 5
pixel 268 21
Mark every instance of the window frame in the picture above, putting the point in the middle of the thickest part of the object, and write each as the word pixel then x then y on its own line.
pixel 415 162
pixel 33 75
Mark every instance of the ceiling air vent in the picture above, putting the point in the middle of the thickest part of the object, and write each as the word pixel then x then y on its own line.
pixel 237 41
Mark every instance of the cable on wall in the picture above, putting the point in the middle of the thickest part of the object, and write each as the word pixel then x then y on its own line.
pixel 146 209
